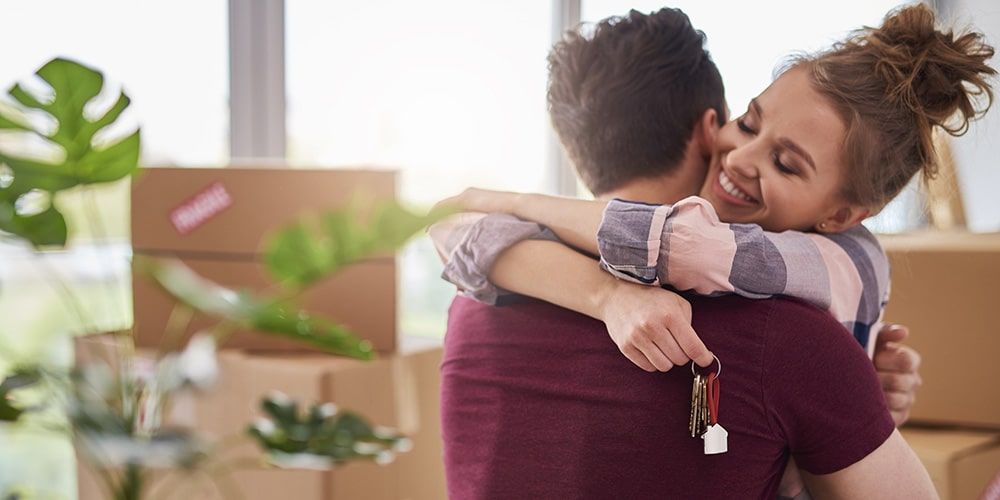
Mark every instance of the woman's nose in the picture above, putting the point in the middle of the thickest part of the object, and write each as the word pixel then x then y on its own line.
pixel 742 161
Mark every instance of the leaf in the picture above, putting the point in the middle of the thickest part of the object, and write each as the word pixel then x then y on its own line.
pixel 323 438
pixel 9 411
pixel 305 251
pixel 262 313
pixel 114 162
pixel 111 114
pixel 34 174
pixel 73 86
pixel 300 325
pixel 47 228
pixel 7 123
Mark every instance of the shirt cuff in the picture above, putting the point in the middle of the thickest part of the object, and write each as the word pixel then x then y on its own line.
pixel 629 240
pixel 475 254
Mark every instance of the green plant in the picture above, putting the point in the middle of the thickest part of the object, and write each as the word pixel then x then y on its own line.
pixel 114 414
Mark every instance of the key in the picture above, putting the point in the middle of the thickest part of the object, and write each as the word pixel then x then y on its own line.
pixel 704 406
pixel 692 428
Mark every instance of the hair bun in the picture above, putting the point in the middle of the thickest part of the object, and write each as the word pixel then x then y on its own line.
pixel 934 73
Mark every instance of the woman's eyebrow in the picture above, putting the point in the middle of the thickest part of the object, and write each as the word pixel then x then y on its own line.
pixel 784 141
pixel 795 148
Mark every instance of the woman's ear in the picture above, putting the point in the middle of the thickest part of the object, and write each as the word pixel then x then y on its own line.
pixel 843 219
pixel 707 131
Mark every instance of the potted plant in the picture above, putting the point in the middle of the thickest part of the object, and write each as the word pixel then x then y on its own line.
pixel 114 412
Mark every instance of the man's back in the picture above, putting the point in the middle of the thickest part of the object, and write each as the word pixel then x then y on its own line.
pixel 537 402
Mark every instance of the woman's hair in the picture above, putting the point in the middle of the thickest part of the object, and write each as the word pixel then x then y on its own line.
pixel 894 84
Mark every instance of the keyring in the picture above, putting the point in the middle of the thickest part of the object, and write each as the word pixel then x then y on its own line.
pixel 717 374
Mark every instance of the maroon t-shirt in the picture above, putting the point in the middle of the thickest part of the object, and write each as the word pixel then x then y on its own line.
pixel 537 402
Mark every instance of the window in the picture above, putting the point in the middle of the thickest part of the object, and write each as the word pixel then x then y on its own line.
pixel 450 93
pixel 172 57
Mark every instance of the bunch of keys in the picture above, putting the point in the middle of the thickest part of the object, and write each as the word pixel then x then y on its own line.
pixel 704 423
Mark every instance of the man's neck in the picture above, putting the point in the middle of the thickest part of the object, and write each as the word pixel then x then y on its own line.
pixel 684 180
pixel 659 190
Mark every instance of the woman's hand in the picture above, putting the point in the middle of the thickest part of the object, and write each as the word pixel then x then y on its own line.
pixel 482 200
pixel 898 368
pixel 652 327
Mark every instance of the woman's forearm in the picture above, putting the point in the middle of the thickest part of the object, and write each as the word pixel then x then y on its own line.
pixel 553 272
pixel 575 221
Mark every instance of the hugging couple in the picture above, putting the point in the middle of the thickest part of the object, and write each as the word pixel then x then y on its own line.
pixel 731 247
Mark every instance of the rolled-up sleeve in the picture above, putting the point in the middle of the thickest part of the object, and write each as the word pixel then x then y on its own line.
pixel 474 254
pixel 630 238
pixel 685 245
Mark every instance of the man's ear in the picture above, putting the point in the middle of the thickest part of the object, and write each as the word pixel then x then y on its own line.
pixel 843 219
pixel 706 132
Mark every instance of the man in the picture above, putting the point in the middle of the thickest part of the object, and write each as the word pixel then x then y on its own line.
pixel 538 404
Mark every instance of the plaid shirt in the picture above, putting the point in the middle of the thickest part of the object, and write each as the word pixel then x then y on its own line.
pixel 686 247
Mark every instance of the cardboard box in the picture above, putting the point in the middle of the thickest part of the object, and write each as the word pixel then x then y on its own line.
pixel 961 463
pixel 944 290
pixel 398 390
pixel 216 221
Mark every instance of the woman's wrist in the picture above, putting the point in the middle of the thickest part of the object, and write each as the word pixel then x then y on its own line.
pixel 521 205
pixel 603 298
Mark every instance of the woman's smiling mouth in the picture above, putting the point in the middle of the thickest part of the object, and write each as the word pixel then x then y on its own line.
pixel 731 192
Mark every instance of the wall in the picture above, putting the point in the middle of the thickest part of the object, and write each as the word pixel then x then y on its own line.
pixel 977 154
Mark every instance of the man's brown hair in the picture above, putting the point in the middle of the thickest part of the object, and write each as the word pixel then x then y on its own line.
pixel 626 97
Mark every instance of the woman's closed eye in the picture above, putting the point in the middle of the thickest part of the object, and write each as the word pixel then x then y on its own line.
pixel 783 168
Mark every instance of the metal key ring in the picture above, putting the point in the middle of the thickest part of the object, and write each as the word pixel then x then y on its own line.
pixel 717 374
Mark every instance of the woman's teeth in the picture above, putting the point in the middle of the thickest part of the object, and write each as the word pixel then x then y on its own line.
pixel 729 187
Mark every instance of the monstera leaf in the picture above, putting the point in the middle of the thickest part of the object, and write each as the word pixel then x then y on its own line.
pixel 270 315
pixel 73 86
pixel 10 411
pixel 321 438
pixel 315 247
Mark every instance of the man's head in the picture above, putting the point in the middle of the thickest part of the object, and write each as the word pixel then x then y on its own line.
pixel 626 98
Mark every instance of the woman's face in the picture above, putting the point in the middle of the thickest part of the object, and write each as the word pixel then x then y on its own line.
pixel 780 164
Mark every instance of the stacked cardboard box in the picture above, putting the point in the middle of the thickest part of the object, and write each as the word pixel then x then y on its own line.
pixel 399 390
pixel 943 289
pixel 215 221
pixel 961 462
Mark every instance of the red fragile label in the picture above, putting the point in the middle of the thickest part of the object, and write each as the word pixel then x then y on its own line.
pixel 200 208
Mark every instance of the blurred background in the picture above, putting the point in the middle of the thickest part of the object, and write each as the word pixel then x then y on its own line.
pixel 451 93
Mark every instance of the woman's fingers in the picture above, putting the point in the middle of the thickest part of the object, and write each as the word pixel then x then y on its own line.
pixel 637 357
pixel 652 352
pixel 899 382
pixel 689 342
pixel 667 344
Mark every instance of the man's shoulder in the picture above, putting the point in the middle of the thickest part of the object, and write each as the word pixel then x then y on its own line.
pixel 520 314
pixel 776 312
pixel 788 322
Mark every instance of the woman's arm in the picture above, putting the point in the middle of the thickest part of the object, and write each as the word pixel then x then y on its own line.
pixel 687 246
pixel 574 221
pixel 651 326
